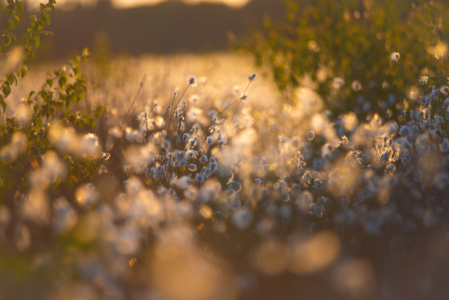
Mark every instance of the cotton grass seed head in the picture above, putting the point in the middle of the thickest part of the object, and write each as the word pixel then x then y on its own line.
pixel 444 146
pixel 338 82
pixel 395 56
pixel 310 135
pixel 423 80
pixel 192 80
pixel 356 85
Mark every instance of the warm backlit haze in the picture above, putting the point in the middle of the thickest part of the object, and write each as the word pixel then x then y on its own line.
pixel 206 26
pixel 224 149
pixel 134 3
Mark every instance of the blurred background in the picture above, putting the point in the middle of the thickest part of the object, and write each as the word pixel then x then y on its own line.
pixel 151 26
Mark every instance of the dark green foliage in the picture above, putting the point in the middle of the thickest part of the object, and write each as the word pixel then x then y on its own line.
pixel 354 39
pixel 62 91
pixel 10 16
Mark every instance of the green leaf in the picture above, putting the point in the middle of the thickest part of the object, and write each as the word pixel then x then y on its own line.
pixel 7 40
pixel 11 78
pixel 24 71
pixel 3 103
pixel 80 123
pixel 80 97
pixel 38 122
pixel 50 82
pixel 27 39
pixel 62 80
pixel 19 7
pixel 51 111
pixel 72 119
pixel 10 122
pixel 46 17
pixel 88 121
pixel 76 70
pixel 33 25
pixel 12 23
pixel 6 90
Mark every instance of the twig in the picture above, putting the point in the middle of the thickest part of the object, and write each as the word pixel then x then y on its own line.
pixel 241 98
pixel 219 113
pixel 135 99
pixel 251 78
pixel 169 108
pixel 174 108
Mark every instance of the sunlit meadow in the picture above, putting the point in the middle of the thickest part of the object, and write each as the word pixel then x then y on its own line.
pixel 192 176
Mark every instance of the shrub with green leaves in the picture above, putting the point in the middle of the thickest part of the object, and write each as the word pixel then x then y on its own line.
pixel 348 51
pixel 33 131
pixel 10 16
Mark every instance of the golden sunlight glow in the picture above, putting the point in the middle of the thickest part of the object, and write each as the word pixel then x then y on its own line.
pixel 182 273
pixel 315 253
pixel 439 50
pixel 135 3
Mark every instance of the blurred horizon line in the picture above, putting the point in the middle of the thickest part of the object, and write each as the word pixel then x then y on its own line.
pixel 68 5
pixel 167 27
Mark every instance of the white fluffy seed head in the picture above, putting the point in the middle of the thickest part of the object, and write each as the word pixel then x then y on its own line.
pixel 310 135
pixel 395 56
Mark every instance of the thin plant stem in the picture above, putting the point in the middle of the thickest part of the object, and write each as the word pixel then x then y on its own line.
pixel 146 121
pixel 174 109
pixel 168 108
pixel 241 98
pixel 238 104
pixel 135 99
pixel 219 113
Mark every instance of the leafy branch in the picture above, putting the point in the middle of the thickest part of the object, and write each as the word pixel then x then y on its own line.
pixel 37 27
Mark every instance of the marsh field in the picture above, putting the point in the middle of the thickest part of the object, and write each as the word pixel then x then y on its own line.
pixel 312 162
